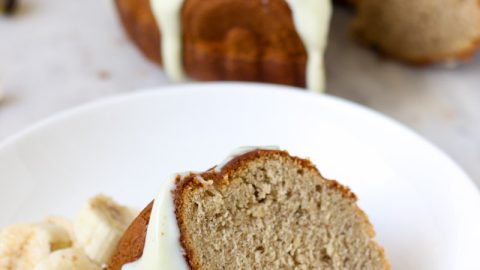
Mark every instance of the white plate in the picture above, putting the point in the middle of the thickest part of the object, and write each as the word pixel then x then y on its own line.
pixel 425 209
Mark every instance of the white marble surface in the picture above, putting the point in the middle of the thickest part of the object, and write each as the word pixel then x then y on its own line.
pixel 58 54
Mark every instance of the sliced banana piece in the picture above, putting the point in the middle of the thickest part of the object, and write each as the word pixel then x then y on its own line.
pixel 100 225
pixel 67 259
pixel 23 246
pixel 63 222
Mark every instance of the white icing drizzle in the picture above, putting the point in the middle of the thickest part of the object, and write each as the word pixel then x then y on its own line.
pixel 167 14
pixel 312 21
pixel 243 150
pixel 162 248
pixel 202 181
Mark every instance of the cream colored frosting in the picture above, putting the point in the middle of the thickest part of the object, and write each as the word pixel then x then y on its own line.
pixel 312 21
pixel 240 151
pixel 167 14
pixel 162 248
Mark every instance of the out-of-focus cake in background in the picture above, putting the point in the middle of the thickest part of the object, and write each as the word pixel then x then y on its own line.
pixel 420 31
pixel 283 41
pixel 274 41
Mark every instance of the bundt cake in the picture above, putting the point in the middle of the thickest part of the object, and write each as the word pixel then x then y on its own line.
pixel 263 209
pixel 277 41
pixel 420 31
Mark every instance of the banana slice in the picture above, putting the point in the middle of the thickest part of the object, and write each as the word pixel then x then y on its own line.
pixel 67 259
pixel 100 225
pixel 23 246
pixel 64 223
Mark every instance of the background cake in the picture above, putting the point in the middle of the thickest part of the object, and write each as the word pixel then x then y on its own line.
pixel 283 41
pixel 420 31
pixel 242 40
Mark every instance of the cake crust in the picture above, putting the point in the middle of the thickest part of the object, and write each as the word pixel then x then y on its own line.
pixel 130 247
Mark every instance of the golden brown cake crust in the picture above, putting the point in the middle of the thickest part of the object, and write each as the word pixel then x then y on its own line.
pixel 130 247
pixel 254 42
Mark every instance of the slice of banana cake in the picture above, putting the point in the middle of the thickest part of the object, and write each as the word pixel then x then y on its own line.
pixel 263 209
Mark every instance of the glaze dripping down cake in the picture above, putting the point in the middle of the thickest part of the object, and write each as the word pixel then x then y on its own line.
pixel 273 41
pixel 264 209
pixel 283 41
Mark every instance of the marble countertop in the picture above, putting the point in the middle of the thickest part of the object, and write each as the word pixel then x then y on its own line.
pixel 58 54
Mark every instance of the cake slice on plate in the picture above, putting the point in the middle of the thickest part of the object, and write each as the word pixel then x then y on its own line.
pixel 263 209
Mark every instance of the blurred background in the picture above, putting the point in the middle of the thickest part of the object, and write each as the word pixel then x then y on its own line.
pixel 58 54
